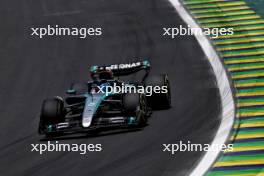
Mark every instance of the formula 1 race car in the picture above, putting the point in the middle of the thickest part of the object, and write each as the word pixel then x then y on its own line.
pixel 106 102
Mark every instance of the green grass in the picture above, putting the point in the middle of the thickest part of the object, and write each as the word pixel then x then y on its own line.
pixel 258 5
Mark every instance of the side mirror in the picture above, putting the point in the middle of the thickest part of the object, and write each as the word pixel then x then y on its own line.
pixel 71 91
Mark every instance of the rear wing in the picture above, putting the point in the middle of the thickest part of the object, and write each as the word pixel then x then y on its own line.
pixel 123 69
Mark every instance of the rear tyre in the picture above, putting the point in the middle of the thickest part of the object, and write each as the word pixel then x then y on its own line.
pixel 160 100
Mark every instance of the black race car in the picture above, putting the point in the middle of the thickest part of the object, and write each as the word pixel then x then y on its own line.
pixel 91 106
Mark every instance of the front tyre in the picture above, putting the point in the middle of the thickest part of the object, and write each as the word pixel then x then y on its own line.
pixel 134 104
pixel 161 100
pixel 52 112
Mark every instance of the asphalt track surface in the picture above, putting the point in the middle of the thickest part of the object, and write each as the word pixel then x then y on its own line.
pixel 32 69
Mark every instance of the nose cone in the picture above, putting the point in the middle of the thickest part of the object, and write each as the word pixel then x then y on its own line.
pixel 91 105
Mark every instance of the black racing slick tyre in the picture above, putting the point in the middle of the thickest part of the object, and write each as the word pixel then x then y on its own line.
pixel 135 105
pixel 130 103
pixel 161 100
pixel 52 111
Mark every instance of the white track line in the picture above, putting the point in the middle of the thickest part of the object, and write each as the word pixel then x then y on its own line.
pixel 227 101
